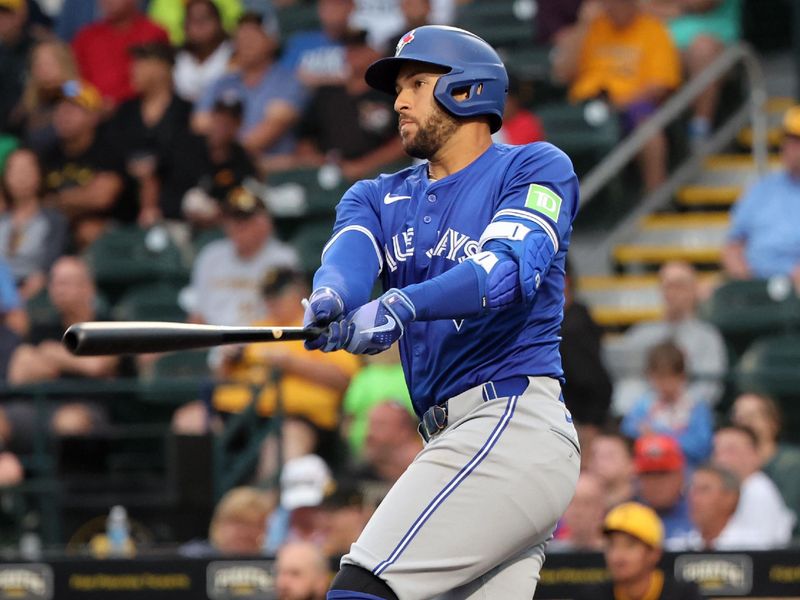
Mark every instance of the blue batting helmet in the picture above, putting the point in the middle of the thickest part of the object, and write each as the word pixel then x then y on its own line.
pixel 472 64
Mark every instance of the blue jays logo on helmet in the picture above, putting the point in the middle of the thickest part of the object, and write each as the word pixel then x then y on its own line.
pixel 406 39
pixel 471 63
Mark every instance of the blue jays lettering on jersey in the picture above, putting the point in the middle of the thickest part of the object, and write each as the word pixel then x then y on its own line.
pixel 411 229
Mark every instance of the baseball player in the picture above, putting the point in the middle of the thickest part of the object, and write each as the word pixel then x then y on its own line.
pixel 470 248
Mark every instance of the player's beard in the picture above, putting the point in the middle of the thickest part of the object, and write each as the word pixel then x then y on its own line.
pixel 432 134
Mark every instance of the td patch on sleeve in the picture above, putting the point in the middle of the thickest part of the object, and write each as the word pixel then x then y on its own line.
pixel 543 200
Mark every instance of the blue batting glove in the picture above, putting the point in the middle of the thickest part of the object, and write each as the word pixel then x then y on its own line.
pixel 373 327
pixel 322 308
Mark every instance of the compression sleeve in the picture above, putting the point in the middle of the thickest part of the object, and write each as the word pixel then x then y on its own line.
pixel 352 259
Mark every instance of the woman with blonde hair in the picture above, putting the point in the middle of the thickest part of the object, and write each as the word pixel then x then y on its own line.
pixel 51 65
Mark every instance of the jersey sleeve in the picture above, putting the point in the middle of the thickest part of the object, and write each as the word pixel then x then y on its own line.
pixel 540 192
pixel 352 258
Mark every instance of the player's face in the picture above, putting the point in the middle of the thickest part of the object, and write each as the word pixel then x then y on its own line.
pixel 628 559
pixel 424 126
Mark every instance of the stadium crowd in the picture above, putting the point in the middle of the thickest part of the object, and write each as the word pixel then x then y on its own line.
pixel 174 118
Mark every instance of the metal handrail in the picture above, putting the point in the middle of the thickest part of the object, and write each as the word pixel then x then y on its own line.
pixel 742 53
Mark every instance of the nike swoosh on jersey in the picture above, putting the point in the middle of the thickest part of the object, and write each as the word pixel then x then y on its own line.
pixel 389 199
pixel 388 326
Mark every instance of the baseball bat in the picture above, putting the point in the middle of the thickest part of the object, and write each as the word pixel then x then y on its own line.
pixel 133 337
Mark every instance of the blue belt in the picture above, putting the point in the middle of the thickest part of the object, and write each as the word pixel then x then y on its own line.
pixel 434 419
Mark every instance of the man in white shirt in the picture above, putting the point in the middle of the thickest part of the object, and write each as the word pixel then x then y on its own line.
pixel 700 342
pixel 227 274
pixel 761 509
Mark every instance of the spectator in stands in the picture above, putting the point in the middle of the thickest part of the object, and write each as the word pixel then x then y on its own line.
pixel 173 16
pixel 779 460
pixel 416 13
pixel 318 57
pixel 13 319
pixel 51 65
pixel 351 124
pixel 627 57
pixel 701 29
pixel 581 527
pixel 149 128
pixel 381 379
pixel 238 527
pixel 215 164
pixel 701 342
pixel 15 46
pixel 83 171
pixel 273 99
pixel 713 497
pixel 610 458
pixel 32 236
pixel 634 542
pixel 736 449
pixel 227 273
pixel 311 384
pixel 345 512
pixel 587 391
pixel 564 23
pixel 102 49
pixel 301 572
pixel 660 475
pixel 304 483
pixel 763 240
pixel 74 16
pixel 42 357
pixel 392 443
pixel 206 53
pixel 667 408
pixel 520 125
pixel 11 470
pixel 381 20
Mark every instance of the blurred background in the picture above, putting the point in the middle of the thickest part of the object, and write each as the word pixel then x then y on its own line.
pixel 181 160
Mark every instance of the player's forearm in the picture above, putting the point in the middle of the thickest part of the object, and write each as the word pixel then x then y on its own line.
pixel 455 294
pixel 349 267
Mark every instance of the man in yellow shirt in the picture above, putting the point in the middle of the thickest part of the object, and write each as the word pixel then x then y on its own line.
pixel 627 57
pixel 310 384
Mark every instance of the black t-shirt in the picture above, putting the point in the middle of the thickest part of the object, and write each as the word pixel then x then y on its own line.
pixel 350 125
pixel 194 167
pixel 672 590
pixel 162 141
pixel 62 171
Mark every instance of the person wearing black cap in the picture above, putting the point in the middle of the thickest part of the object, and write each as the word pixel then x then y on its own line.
pixel 148 127
pixel 351 124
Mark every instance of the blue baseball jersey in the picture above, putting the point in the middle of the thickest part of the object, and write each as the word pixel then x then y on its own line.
pixel 420 228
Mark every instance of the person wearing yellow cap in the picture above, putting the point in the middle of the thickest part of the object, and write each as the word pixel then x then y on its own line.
pixel 634 537
pixel 764 237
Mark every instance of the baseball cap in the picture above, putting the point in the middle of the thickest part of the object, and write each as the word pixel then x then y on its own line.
pixel 229 101
pixel 657 452
pixel 12 5
pixel 261 14
pixel 791 121
pixel 82 93
pixel 275 280
pixel 241 202
pixel 159 50
pixel 636 520
pixel 304 482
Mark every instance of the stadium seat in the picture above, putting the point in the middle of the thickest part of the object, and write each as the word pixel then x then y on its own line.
pixel 304 193
pixel 309 240
pixel 746 310
pixel 150 302
pixel 128 255
pixel 770 366
pixel 502 23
